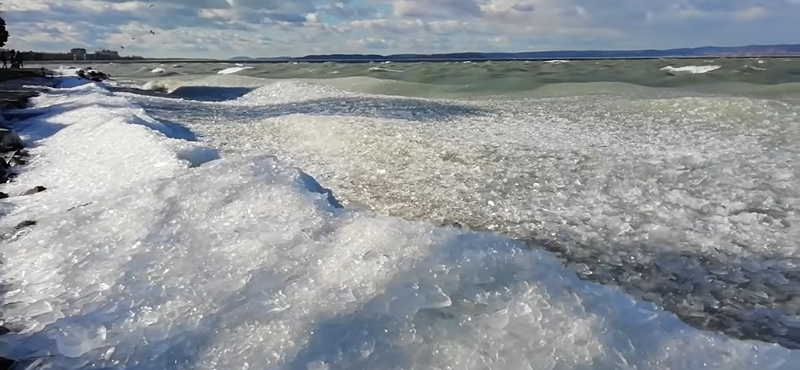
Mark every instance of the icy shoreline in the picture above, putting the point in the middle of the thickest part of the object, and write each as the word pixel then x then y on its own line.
pixel 151 251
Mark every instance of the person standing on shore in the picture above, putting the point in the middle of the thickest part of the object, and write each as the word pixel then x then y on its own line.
pixel 19 60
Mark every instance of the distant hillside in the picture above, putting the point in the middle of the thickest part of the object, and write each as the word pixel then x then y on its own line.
pixel 708 51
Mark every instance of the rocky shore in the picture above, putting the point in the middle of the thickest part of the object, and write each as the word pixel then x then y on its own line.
pixel 13 95
pixel 17 87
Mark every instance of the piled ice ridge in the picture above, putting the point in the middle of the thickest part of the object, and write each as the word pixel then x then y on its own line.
pixel 142 260
pixel 687 202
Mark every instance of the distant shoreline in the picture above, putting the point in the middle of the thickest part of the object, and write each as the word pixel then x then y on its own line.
pixel 705 52
pixel 377 60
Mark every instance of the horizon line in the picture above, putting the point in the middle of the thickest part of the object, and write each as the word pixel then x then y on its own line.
pixel 530 52
pixel 506 53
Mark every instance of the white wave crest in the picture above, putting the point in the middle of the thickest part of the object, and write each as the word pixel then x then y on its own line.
pixel 232 70
pixel 692 69
pixel 161 85
pixel 382 69
pixel 289 91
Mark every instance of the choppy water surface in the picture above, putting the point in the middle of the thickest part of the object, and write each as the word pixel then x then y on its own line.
pixel 679 187
pixel 459 79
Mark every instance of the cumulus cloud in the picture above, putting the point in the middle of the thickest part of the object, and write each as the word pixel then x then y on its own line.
pixel 523 7
pixel 439 8
pixel 370 43
pixel 386 26
pixel 753 12
pixel 220 28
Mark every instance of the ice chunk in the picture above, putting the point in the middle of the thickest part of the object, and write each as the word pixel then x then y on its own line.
pixel 74 340
pixel 39 308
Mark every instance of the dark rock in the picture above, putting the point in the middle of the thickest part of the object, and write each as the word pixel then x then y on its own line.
pixel 4 330
pixel 79 206
pixel 4 175
pixel 97 76
pixel 454 224
pixel 6 364
pixel 92 75
pixel 18 161
pixel 18 158
pixel 9 175
pixel 3 195
pixel 36 189
pixel 9 141
pixel 17 232
pixel 24 224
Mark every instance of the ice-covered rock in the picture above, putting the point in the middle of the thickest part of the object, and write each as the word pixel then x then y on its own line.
pixel 34 190
pixel 9 141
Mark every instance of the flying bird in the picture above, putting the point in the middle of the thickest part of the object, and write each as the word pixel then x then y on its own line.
pixel 151 31
pixel 151 5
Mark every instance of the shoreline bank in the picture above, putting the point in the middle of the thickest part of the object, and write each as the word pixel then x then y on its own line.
pixel 13 94
pixel 17 87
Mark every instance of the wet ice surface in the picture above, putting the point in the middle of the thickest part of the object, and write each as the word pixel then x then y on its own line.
pixel 146 257
pixel 686 201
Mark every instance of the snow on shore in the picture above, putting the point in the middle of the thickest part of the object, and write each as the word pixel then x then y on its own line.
pixel 149 252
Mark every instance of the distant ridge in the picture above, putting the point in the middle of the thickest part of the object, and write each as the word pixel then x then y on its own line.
pixel 790 50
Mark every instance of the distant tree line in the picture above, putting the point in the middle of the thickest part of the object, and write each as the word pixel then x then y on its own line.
pixel 37 55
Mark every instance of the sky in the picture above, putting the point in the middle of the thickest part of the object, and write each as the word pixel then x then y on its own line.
pixel 270 28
